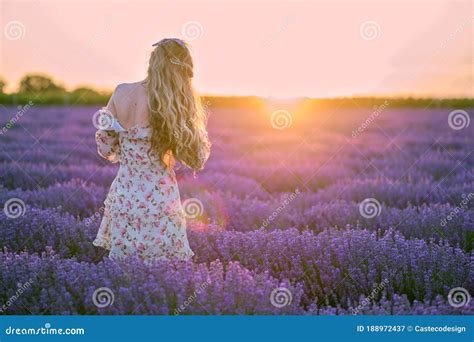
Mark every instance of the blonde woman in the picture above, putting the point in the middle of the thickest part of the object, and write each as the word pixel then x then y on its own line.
pixel 150 125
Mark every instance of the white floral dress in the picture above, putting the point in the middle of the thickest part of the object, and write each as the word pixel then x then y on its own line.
pixel 143 213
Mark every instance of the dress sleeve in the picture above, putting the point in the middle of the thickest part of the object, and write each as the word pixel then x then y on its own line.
pixel 108 145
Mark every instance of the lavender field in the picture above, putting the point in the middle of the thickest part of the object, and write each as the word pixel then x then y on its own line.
pixel 314 211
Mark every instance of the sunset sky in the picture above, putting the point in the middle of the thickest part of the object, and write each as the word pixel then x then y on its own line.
pixel 265 48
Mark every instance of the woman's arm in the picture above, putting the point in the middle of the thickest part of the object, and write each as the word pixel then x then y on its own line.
pixel 108 144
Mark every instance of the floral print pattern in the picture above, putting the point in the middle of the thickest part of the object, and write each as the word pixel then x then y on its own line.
pixel 143 214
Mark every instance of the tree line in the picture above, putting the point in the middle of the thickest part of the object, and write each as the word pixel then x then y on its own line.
pixel 43 90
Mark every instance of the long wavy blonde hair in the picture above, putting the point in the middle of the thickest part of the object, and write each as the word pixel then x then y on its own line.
pixel 176 116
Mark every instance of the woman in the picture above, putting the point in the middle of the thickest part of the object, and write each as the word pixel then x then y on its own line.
pixel 153 123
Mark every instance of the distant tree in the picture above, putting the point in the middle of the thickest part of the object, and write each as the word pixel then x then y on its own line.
pixel 2 85
pixel 85 91
pixel 39 84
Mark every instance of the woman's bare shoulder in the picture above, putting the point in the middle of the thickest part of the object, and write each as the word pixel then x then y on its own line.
pixel 130 102
pixel 128 86
pixel 124 92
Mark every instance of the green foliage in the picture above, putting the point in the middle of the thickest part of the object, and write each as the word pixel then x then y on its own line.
pixel 42 90
pixel 36 83
pixel 85 91
pixel 2 85
pixel 394 102
pixel 64 98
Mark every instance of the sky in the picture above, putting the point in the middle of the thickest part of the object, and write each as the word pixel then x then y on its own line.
pixel 266 48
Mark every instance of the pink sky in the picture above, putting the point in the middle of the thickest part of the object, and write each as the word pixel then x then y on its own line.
pixel 266 48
